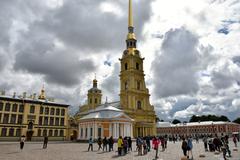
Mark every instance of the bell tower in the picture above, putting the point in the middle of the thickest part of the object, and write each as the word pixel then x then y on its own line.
pixel 94 96
pixel 134 96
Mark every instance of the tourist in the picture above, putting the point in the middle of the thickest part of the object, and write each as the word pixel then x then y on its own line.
pixel 189 147
pixel 90 144
pixel 99 141
pixel 140 146
pixel 105 143
pixel 145 150
pixel 22 140
pixel 162 143
pixel 45 142
pixel 125 145
pixel 120 145
pixel 110 143
pixel 129 144
pixel 155 144
pixel 148 143
pixel 184 147
pixel 205 141
pixel 165 142
pixel 235 140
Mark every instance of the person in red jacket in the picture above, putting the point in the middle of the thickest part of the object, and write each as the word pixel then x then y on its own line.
pixel 155 144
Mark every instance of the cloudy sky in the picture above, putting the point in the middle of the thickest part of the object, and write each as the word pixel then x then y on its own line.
pixel 191 50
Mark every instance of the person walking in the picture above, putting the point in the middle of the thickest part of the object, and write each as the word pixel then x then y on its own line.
pixel 189 147
pixel 205 141
pixel 148 143
pixel 129 144
pixel 22 141
pixel 45 142
pixel 155 144
pixel 120 145
pixel 90 144
pixel 110 144
pixel 125 145
pixel 235 140
pixel 105 143
pixel 99 141
pixel 184 147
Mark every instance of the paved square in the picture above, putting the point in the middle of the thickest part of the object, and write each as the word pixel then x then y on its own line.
pixel 78 151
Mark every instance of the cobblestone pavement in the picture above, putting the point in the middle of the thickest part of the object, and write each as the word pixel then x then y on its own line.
pixel 78 151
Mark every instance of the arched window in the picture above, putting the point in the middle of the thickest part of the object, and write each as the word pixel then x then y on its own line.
pixel 63 112
pixel 57 111
pixel 137 66
pixel 126 85
pixel 1 106
pixel 7 106
pixel 126 66
pixel 11 132
pixel 139 105
pixel 46 110
pixel 44 132
pixel 90 100
pixel 50 133
pixel 95 100
pixel 14 108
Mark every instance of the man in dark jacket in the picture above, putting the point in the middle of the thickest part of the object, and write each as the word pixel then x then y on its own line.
pixel 45 142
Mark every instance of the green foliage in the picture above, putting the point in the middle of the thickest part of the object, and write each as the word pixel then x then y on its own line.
pixel 209 117
pixel 176 121
pixel 237 120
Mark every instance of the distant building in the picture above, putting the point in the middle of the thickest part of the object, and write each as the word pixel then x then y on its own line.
pixel 33 117
pixel 197 128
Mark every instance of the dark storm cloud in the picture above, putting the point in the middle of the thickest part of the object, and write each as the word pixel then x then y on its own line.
pixel 175 68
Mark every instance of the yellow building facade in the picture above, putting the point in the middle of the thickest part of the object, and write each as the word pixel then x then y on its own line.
pixel 33 117
pixel 134 95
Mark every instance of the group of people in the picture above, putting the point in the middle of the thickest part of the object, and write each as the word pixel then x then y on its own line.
pixel 219 144
pixel 124 145
pixel 187 147
pixel 22 142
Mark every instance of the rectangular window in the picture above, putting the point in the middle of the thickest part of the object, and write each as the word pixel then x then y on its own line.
pixel 4 132
pixel 18 132
pixel 32 109
pixel 61 133
pixel 40 121
pixel 1 106
pixel 86 132
pixel 56 133
pixel 57 121
pixel 50 133
pixel 63 112
pixel 11 132
pixel 62 121
pixel 81 132
pixel 57 112
pixel 41 110
pixel 52 111
pixel 20 119
pixel 45 121
pixel 14 107
pixel 5 118
pixel 39 132
pixel 7 107
pixel 0 117
pixel 13 118
pixel 51 121
pixel 100 132
pixel 21 108
pixel 46 110
pixel 91 132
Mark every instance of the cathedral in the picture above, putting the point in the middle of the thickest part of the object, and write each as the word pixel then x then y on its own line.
pixel 133 115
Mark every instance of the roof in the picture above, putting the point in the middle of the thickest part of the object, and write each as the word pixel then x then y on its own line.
pixel 30 100
pixel 168 124
pixel 106 111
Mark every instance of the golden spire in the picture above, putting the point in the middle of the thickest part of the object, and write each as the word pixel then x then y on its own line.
pixel 95 81
pixel 42 94
pixel 130 16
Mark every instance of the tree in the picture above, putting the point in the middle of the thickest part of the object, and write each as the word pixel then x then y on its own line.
pixel 209 117
pixel 176 121
pixel 237 120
